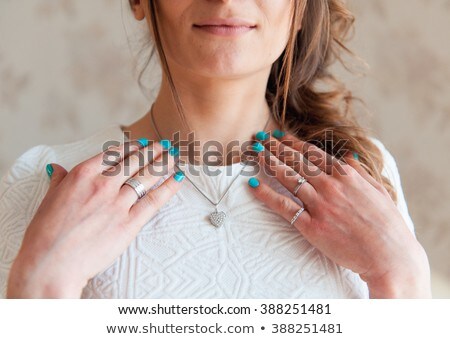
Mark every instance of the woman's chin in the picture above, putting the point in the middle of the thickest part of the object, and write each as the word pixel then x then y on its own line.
pixel 224 68
pixel 221 73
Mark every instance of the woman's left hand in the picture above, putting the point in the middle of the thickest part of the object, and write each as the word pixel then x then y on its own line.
pixel 348 216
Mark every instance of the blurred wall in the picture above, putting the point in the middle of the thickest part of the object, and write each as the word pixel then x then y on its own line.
pixel 66 70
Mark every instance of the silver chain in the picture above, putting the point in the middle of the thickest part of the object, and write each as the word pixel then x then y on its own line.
pixel 199 190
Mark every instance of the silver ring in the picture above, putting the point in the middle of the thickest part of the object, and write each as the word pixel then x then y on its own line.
pixel 138 187
pixel 297 215
pixel 300 182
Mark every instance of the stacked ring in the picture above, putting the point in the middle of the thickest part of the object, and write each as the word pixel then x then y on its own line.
pixel 297 215
pixel 138 187
pixel 300 182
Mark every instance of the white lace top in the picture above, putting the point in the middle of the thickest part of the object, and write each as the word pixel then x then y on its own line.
pixel 178 254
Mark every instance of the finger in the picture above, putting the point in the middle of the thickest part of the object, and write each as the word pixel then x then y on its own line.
pixel 294 159
pixel 288 177
pixel 147 207
pixel 111 156
pixel 148 176
pixel 281 204
pixel 324 161
pixel 349 159
pixel 56 173
pixel 134 162
pixel 125 160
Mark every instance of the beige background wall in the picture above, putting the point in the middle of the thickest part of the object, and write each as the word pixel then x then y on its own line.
pixel 66 70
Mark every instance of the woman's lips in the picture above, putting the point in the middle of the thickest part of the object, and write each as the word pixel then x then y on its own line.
pixel 225 30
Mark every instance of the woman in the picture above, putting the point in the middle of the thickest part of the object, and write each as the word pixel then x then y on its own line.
pixel 313 219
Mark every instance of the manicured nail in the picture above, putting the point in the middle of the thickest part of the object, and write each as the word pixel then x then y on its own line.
pixel 178 176
pixel 261 135
pixel 174 151
pixel 49 169
pixel 143 142
pixel 258 147
pixel 278 134
pixel 355 156
pixel 253 182
pixel 165 143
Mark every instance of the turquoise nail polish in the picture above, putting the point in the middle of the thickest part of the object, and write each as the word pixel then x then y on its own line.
pixel 174 151
pixel 278 134
pixel 143 142
pixel 49 169
pixel 178 176
pixel 165 143
pixel 355 156
pixel 258 147
pixel 253 182
pixel 261 135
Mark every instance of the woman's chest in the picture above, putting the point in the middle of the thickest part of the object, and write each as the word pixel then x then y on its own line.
pixel 255 254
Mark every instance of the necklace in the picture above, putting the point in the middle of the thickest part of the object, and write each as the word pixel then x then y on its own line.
pixel 216 218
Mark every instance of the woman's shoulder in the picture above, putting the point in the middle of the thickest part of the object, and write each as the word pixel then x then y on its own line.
pixel 25 184
pixel 391 170
pixel 27 177
pixel 66 154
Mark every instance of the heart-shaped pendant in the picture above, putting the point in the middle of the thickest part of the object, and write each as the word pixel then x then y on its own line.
pixel 217 219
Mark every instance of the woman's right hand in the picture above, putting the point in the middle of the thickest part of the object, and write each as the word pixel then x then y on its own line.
pixel 88 218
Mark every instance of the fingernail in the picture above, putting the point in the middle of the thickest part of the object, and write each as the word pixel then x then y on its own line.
pixel 178 176
pixel 49 169
pixel 261 135
pixel 253 182
pixel 278 134
pixel 355 156
pixel 174 151
pixel 165 143
pixel 143 142
pixel 258 147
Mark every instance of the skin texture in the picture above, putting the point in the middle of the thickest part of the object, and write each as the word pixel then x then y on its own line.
pixel 86 219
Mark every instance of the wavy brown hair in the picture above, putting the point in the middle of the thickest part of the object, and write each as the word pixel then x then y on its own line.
pixel 324 118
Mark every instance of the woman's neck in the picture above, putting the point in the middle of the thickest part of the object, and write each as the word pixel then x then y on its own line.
pixel 227 111
pixel 219 110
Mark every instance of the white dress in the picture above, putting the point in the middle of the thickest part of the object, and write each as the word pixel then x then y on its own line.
pixel 178 254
